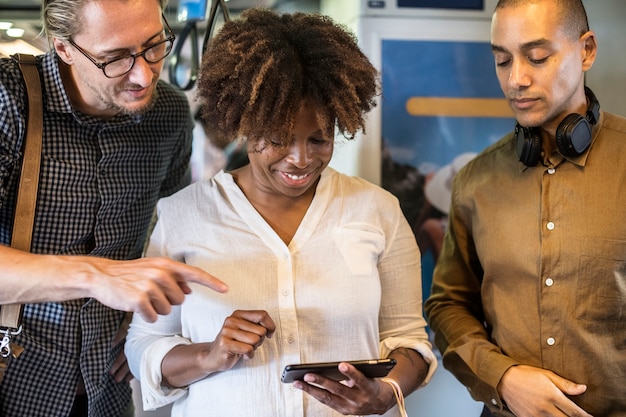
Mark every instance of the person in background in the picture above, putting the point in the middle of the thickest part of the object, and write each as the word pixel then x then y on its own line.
pixel 320 266
pixel 433 222
pixel 216 154
pixel 527 302
pixel 115 139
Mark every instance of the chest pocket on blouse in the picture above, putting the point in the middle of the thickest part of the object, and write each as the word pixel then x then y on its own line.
pixel 360 245
pixel 602 281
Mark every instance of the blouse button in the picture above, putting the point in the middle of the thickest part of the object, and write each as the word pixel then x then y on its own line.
pixel 551 171
pixel 550 226
pixel 551 341
pixel 549 282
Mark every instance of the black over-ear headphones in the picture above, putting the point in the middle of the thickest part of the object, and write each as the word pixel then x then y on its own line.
pixel 573 136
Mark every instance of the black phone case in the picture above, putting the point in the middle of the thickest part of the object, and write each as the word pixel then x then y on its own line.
pixel 371 368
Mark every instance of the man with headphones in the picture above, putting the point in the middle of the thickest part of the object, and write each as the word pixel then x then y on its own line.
pixel 529 292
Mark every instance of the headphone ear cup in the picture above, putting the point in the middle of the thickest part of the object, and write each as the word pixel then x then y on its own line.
pixel 573 135
pixel 528 145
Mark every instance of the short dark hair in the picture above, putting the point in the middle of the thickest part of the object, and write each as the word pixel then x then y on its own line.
pixel 572 13
pixel 261 67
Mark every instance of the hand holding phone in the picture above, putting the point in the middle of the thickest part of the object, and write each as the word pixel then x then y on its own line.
pixel 371 368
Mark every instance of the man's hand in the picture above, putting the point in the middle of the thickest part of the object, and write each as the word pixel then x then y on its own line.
pixel 535 392
pixel 148 286
pixel 120 369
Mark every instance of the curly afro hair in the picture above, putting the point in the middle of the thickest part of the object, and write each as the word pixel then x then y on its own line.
pixel 260 68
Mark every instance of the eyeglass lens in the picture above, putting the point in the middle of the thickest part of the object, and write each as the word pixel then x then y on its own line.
pixel 152 55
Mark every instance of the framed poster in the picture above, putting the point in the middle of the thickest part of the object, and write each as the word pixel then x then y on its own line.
pixel 441 105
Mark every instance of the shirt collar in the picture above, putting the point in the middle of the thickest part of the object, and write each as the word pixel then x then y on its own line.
pixel 57 98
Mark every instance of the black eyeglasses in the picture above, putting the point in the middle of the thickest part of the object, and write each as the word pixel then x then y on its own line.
pixel 122 65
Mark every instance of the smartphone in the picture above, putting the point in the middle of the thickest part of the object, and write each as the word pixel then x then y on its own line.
pixel 371 368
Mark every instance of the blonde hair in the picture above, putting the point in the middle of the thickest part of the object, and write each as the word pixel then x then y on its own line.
pixel 61 19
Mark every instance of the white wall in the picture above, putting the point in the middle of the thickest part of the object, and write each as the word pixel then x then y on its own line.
pixel 607 77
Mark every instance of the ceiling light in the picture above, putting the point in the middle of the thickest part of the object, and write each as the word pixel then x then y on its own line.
pixel 15 32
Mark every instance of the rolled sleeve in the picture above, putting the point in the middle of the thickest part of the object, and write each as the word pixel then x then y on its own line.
pixel 146 346
pixel 154 395
pixel 390 344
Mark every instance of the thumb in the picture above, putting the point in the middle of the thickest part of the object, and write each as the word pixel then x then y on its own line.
pixel 567 386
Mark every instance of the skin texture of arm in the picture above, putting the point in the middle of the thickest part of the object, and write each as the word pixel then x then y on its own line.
pixel 147 286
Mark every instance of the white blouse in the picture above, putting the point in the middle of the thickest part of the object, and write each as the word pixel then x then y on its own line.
pixel 348 286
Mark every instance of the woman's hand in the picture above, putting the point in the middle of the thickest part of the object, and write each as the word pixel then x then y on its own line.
pixel 357 395
pixel 241 334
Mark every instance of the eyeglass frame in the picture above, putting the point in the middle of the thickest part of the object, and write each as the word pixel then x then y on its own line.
pixel 102 65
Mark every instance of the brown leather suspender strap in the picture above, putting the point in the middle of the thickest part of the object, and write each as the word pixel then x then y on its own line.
pixel 27 194
pixel 11 314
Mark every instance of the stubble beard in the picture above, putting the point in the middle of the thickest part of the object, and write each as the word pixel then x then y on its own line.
pixel 111 104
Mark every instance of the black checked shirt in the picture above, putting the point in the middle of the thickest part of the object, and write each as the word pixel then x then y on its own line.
pixel 100 181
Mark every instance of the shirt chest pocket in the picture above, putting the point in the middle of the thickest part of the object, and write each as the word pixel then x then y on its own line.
pixel 360 246
pixel 602 281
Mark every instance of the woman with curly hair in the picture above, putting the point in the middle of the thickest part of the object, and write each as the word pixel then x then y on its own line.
pixel 320 266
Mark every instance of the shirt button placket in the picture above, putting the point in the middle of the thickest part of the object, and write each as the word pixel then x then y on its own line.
pixel 548 301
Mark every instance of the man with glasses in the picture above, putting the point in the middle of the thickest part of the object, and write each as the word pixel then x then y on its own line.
pixel 115 140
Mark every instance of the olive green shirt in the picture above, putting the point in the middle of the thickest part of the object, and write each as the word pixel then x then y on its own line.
pixel 527 273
